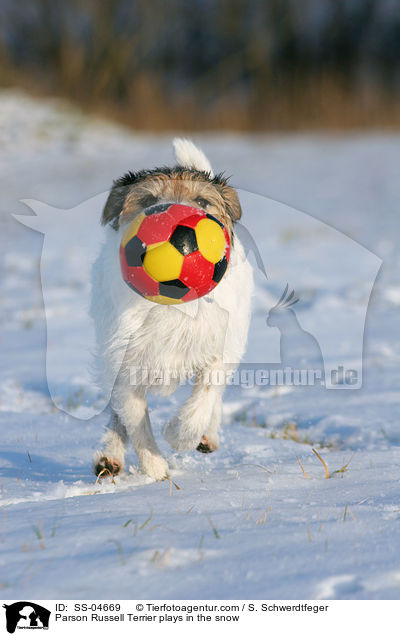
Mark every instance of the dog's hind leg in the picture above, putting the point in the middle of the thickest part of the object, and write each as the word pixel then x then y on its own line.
pixel 110 460
pixel 185 431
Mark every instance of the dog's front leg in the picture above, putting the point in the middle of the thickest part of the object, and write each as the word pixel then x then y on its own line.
pixel 131 407
pixel 198 421
pixel 110 460
pixel 209 441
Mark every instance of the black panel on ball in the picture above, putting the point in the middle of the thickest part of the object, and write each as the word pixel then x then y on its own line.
pixel 160 207
pixel 213 218
pixel 173 288
pixel 135 252
pixel 220 269
pixel 184 240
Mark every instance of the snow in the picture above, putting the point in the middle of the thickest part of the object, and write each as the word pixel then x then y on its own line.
pixel 259 518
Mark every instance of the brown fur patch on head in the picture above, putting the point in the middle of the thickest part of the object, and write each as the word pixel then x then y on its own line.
pixel 137 191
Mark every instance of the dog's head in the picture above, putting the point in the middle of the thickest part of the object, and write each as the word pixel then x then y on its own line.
pixel 191 182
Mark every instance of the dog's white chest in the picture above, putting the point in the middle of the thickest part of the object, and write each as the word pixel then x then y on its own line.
pixel 173 340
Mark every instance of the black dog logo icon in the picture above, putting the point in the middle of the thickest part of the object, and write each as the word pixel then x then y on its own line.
pixel 26 615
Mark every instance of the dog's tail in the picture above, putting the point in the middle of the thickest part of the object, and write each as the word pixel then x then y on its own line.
pixel 190 156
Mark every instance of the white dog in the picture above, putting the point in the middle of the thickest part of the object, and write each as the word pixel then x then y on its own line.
pixel 170 342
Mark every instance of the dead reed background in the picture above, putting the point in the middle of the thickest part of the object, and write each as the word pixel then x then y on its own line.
pixel 248 65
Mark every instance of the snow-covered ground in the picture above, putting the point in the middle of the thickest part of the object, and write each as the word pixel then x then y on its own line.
pixel 259 518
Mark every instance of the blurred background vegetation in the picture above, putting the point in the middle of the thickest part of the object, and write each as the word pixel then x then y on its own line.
pixel 207 64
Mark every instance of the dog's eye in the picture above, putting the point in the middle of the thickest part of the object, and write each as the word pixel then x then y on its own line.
pixel 203 203
pixel 148 200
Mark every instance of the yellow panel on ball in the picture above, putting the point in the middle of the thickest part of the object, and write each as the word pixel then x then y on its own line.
pixel 210 239
pixel 164 300
pixel 132 229
pixel 163 262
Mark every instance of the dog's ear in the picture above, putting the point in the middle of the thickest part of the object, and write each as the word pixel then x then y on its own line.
pixel 232 203
pixel 114 205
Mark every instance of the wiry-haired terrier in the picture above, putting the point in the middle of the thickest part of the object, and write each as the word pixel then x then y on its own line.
pixel 133 333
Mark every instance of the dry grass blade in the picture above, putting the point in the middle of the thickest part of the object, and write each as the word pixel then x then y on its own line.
pixel 161 559
pixel 301 466
pixel 38 530
pixel 171 483
pixel 347 509
pixel 263 520
pixel 267 470
pixel 213 528
pixel 344 467
pixel 327 475
pixel 120 550
pixel 144 524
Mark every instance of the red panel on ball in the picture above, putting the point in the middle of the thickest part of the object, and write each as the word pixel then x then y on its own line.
pixel 159 226
pixel 155 228
pixel 191 295
pixel 197 272
pixel 227 244
pixel 192 220
pixel 139 278
pixel 178 212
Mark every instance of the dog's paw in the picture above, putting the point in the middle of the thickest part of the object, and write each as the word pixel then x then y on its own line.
pixel 180 438
pixel 154 466
pixel 207 445
pixel 107 466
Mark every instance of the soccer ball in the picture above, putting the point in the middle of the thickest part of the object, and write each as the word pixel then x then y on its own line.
pixel 173 253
